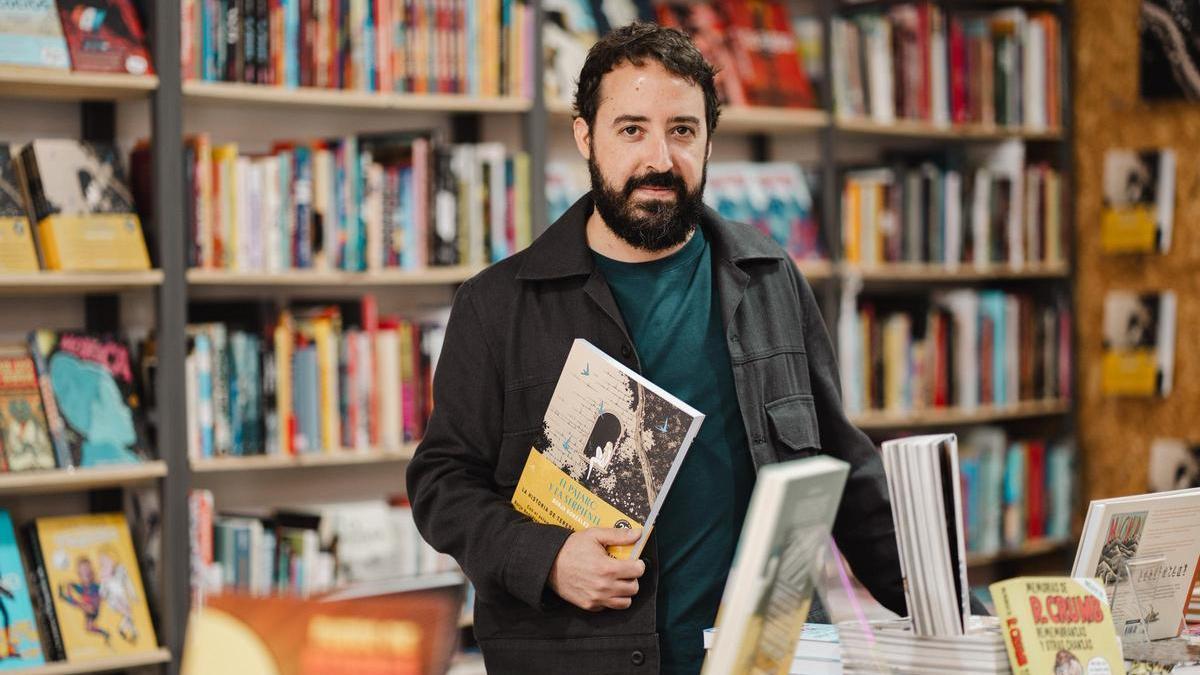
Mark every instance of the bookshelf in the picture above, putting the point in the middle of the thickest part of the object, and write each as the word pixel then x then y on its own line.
pixel 67 283
pixel 107 665
pixel 1030 549
pixel 79 480
pixel 928 131
pixel 304 279
pixel 942 274
pixel 952 417
pixel 324 459
pixel 340 99
pixel 55 85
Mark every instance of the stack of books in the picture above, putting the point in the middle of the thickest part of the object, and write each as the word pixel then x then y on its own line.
pixel 894 647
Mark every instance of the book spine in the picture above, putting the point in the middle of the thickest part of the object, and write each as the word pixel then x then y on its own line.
pixel 55 649
pixel 54 420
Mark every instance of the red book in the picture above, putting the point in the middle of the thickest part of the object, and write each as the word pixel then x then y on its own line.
pixel 104 36
pixel 959 73
pixel 1035 489
pixel 707 29
pixel 767 58
pixel 986 387
pixel 275 66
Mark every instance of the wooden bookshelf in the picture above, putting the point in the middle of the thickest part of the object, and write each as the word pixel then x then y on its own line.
pixel 59 85
pixel 931 131
pixel 432 276
pixel 1030 549
pixel 279 462
pixel 951 417
pixel 79 480
pixel 105 665
pixel 65 283
pixel 347 99
pixel 935 273
pixel 743 119
pixel 816 270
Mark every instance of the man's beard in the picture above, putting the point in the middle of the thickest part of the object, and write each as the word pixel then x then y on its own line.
pixel 651 224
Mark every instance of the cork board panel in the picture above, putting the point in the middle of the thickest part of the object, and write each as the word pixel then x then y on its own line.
pixel 1115 434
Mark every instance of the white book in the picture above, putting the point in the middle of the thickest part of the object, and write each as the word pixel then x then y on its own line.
pixel 1034 81
pixel 1118 530
pixel 192 398
pixel 939 67
pixel 954 219
pixel 877 35
pixel 271 206
pixel 387 355
pixel 964 308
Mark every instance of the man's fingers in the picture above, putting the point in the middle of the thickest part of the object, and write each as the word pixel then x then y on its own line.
pixel 615 536
pixel 625 589
pixel 618 603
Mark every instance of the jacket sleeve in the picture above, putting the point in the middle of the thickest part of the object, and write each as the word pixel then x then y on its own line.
pixel 864 529
pixel 456 503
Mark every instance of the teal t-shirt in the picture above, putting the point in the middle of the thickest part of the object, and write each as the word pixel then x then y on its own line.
pixel 674 318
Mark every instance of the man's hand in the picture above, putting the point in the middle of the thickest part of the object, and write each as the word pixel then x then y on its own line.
pixel 585 576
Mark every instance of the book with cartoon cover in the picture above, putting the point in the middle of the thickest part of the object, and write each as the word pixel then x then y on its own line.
pixel 91 587
pixel 610 445
pixel 30 35
pixel 105 36
pixel 24 436
pixel 20 646
pixel 1057 625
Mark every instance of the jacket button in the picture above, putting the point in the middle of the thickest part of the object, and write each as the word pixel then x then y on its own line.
pixel 759 439
pixel 638 658
pixel 626 351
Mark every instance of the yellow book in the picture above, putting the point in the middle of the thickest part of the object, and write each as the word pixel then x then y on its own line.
pixel 284 338
pixel 1139 343
pixel 16 236
pixel 610 447
pixel 851 222
pixel 325 335
pixel 1139 201
pixel 225 225
pixel 1057 625
pixel 92 586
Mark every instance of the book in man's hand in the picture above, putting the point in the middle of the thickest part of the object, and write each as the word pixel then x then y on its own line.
pixel 610 446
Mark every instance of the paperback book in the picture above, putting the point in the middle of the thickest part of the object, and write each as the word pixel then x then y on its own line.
pixel 16 236
pixel 1139 201
pixel 24 436
pixel 1139 343
pixel 105 36
pixel 1057 625
pixel 21 648
pixel 610 446
pixel 31 36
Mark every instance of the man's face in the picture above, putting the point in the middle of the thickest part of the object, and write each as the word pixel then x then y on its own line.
pixel 647 153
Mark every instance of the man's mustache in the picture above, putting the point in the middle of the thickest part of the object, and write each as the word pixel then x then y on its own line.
pixel 664 179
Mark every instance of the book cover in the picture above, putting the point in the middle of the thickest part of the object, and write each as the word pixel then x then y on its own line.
pixel 1168 53
pixel 1139 343
pixel 1057 625
pixel 610 445
pixel 1174 465
pixel 1143 528
pixel 95 418
pixel 95 584
pixel 30 35
pixel 105 36
pixel 771 582
pixel 21 647
pixel 765 54
pixel 82 206
pixel 24 435
pixel 1139 201
pixel 17 253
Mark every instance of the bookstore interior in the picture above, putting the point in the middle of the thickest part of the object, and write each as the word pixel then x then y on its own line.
pixel 952 275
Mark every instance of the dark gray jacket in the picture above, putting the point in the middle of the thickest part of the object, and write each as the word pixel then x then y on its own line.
pixel 508 336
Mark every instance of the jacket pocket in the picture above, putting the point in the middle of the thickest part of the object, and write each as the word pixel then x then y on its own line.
pixel 794 419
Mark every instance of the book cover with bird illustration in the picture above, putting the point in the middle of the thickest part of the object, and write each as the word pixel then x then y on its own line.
pixel 610 445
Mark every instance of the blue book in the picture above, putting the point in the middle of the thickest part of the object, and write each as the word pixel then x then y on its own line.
pixel 1014 495
pixel 307 403
pixel 31 35
pixel 20 647
pixel 303 197
pixel 991 304
pixel 291 40
pixel 406 220
pixel 204 398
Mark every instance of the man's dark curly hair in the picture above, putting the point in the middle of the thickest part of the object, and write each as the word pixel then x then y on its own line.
pixel 634 44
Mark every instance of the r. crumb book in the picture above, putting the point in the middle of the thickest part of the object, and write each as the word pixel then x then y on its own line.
pixel 1056 625
pixel 610 446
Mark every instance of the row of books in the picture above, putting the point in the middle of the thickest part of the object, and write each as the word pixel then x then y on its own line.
pixel 306 551
pixel 412 46
pixel 392 201
pixel 775 197
pixel 965 348
pixel 82 598
pixel 926 212
pixel 82 35
pixel 65 205
pixel 1015 491
pixel 316 379
pixel 70 399
pixel 918 62
pixel 752 43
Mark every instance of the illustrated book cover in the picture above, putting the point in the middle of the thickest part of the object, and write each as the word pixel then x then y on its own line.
pixel 1139 343
pixel 31 36
pixel 21 646
pixel 105 36
pixel 24 436
pixel 1057 625
pixel 1174 465
pixel 610 445
pixel 90 586
pixel 17 253
pixel 1139 201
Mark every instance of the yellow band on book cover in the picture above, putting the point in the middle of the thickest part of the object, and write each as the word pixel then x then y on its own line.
pixel 1057 625
pixel 99 242
pixel 548 495
pixel 1128 229
pixel 1130 373
pixel 16 245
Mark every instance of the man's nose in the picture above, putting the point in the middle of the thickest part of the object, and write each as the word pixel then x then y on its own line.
pixel 658 156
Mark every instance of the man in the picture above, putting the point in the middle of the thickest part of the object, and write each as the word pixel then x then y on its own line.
pixel 709 310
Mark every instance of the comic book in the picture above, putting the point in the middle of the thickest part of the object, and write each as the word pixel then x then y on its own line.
pixel 90 397
pixel 105 36
pixel 91 587
pixel 20 646
pixel 1057 625
pixel 24 435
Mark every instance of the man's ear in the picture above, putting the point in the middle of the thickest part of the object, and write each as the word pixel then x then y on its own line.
pixel 583 137
pixel 708 152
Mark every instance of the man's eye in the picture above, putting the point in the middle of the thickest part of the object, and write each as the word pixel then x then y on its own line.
pixel 630 131
pixel 684 131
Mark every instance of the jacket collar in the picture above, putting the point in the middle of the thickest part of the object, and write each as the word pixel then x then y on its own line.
pixel 562 250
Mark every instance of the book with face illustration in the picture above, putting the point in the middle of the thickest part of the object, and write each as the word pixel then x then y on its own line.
pixel 610 446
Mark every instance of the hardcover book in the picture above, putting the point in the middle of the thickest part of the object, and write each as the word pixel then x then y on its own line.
pixel 1139 343
pixel 90 398
pixel 30 35
pixel 610 445
pixel 91 587
pixel 105 36
pixel 24 435
pixel 21 648
pixel 1057 625
pixel 1139 201
pixel 82 207
pixel 16 236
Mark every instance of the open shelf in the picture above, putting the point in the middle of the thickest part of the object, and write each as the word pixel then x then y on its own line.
pixel 368 589
pixel 49 282
pixel 948 417
pixel 277 462
pixel 929 130
pixel 62 85
pixel 744 119
pixel 79 480
pixel 431 276
pixel 349 99
pixel 1030 549
pixel 816 270
pixel 936 273
pixel 105 665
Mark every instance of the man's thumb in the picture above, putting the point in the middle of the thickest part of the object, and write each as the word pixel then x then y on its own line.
pixel 616 536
